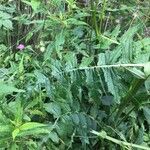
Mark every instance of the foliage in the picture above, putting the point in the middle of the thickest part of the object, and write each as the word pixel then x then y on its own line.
pixel 84 69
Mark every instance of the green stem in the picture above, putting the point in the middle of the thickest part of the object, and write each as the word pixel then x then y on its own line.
pixel 102 14
pixel 94 20
pixel 104 135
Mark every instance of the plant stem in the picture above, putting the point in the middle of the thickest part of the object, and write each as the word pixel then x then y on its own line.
pixel 102 14
pixel 107 66
pixel 103 135
pixel 94 20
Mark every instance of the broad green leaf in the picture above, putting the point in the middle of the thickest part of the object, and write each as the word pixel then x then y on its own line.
pixel 31 125
pixel 33 132
pixel 29 129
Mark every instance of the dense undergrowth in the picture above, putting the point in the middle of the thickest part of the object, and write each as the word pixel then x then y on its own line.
pixel 74 74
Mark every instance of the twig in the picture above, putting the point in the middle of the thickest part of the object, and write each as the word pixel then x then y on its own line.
pixel 104 135
pixel 107 66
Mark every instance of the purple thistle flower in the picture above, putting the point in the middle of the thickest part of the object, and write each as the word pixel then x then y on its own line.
pixel 20 47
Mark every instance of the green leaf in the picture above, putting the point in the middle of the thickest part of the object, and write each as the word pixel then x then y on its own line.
pixel 14 146
pixel 1 24
pixel 7 24
pixel 137 73
pixel 108 41
pixel 75 118
pixel 30 128
pixel 111 80
pixel 59 42
pixel 5 128
pixel 42 80
pixel 110 77
pixel 89 77
pixel 54 137
pixel 31 125
pixel 86 61
pixel 53 108
pixel 29 36
pixel 3 143
pixel 147 69
pixel 83 121
pixel 21 66
pixel 101 59
pixel 8 89
pixel 4 15
pixel 147 85
pixel 35 4
pixel 140 46
pixel 75 21
pixel 147 114
pixel 33 132
pixel 107 100
pixel 18 112
pixel 15 133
